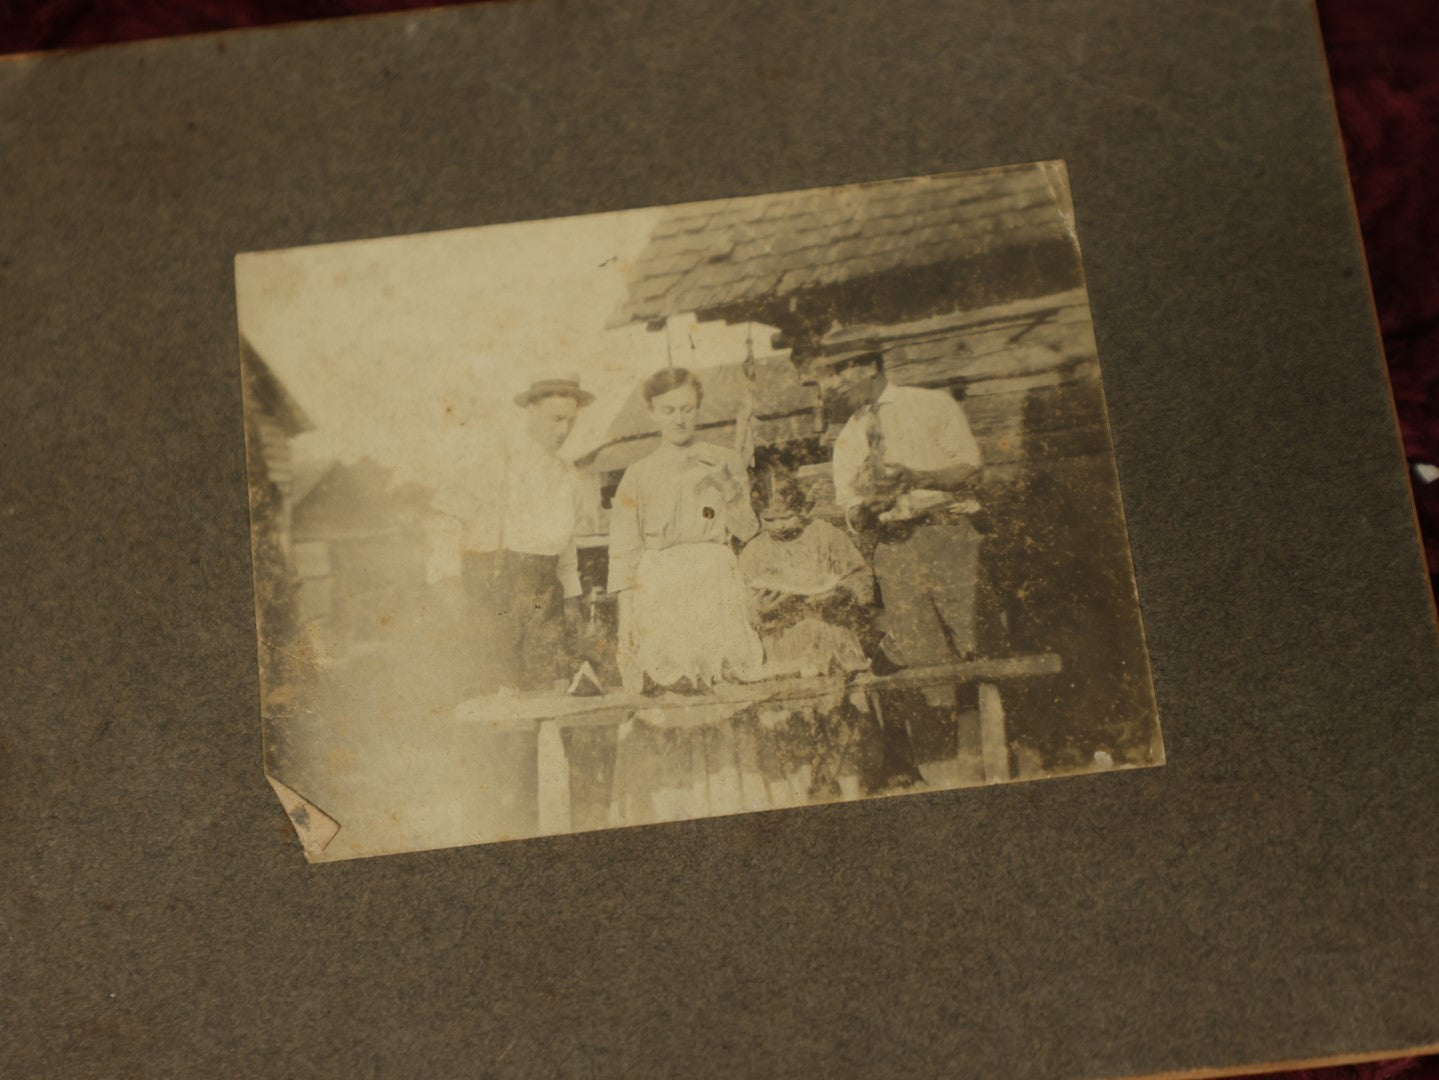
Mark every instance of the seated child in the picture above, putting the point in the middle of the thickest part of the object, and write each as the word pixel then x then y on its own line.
pixel 810 591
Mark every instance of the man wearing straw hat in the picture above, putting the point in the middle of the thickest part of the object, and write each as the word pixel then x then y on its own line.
pixel 519 578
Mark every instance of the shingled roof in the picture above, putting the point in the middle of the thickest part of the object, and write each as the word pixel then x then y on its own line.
pixel 268 394
pixel 711 256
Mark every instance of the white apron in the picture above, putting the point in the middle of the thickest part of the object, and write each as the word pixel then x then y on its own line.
pixel 687 618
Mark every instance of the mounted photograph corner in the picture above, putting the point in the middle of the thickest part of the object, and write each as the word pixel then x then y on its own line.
pixel 686 511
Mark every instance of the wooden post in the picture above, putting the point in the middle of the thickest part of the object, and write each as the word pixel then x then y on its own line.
pixel 992 737
pixel 554 780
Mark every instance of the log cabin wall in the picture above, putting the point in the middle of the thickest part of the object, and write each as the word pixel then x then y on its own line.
pixel 1026 372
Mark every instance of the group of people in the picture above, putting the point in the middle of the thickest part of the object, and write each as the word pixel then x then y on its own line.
pixel 721 576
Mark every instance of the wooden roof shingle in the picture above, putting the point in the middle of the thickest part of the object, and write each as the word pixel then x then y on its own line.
pixel 716 255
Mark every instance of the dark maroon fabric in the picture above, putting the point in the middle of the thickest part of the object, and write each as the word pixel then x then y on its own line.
pixel 28 25
pixel 1384 61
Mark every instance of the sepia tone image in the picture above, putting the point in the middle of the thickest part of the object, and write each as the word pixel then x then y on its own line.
pixel 685 511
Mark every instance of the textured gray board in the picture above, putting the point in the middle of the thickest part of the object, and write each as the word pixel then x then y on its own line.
pixel 1268 894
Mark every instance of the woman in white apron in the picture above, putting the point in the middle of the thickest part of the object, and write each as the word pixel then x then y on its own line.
pixel 683 605
pixel 683 618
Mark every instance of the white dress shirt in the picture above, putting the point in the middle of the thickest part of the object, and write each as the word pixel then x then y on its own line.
pixel 920 429
pixel 539 492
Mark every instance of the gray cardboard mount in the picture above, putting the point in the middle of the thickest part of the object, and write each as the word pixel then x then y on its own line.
pixel 1267 895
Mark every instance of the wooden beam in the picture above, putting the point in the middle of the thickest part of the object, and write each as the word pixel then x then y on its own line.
pixel 525 712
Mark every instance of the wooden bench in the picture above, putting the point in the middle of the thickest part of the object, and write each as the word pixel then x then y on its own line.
pixel 549 715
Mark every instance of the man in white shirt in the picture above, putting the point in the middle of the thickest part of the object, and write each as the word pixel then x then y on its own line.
pixel 905 466
pixel 520 565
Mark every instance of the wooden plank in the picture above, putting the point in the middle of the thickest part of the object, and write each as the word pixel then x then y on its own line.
pixel 1069 306
pixel 1014 385
pixel 527 712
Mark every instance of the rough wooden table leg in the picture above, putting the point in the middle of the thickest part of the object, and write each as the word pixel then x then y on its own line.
pixel 554 780
pixel 993 740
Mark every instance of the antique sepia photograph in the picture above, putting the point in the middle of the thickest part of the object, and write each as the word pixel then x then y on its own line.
pixel 670 513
